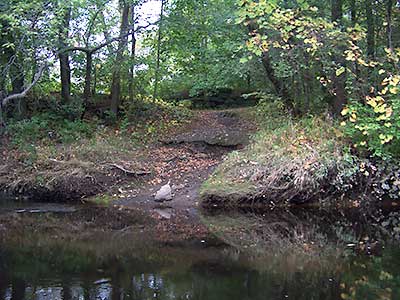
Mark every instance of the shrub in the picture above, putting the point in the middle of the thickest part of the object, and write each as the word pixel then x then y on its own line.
pixel 48 127
pixel 374 126
pixel 146 108
pixel 270 110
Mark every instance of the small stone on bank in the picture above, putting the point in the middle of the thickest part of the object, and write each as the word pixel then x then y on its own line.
pixel 164 193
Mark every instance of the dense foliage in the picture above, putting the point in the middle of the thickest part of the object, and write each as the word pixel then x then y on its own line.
pixel 108 58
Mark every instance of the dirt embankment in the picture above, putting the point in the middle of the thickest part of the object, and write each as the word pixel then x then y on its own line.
pixel 87 168
pixel 184 158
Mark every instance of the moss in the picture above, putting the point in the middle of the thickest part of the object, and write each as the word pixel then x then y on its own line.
pixel 103 200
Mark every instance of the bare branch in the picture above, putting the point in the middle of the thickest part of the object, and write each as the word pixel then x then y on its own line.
pixel 27 89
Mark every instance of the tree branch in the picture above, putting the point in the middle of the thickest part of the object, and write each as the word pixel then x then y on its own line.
pixel 23 94
pixel 105 43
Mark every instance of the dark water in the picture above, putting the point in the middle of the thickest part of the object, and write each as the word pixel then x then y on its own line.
pixel 48 270
pixel 204 280
pixel 205 277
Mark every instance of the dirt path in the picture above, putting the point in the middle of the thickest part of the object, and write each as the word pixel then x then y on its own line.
pixel 186 158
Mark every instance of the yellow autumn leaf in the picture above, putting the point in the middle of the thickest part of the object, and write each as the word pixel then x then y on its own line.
pixel 395 80
pixel 344 296
pixel 380 109
pixel 379 99
pixel 350 56
pixel 340 71
pixel 385 81
pixel 372 102
pixel 381 71
pixel 394 90
pixel 345 111
pixel 381 117
pixel 389 112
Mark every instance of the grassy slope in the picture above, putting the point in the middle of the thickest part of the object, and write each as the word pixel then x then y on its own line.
pixel 288 161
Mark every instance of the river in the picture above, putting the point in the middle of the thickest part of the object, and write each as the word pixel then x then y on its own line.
pixel 64 270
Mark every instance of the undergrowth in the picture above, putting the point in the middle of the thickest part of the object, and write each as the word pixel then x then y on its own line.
pixel 289 161
pixel 55 152
pixel 303 160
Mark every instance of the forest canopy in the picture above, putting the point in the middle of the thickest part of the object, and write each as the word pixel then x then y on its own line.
pixel 83 55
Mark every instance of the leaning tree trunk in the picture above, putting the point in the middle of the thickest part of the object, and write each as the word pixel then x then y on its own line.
pixel 65 70
pixel 116 80
pixel 17 78
pixel 278 84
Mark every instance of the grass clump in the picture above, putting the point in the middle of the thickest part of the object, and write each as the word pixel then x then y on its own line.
pixel 289 161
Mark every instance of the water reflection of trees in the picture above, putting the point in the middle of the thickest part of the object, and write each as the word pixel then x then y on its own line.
pixel 198 284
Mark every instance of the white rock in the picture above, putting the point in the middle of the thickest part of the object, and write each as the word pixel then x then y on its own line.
pixel 164 193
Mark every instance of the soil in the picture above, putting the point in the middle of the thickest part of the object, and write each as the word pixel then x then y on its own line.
pixel 185 158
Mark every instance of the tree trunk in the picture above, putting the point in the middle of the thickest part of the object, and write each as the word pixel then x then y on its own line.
pixel 278 84
pixel 65 70
pixel 353 12
pixel 2 123
pixel 88 78
pixel 17 77
pixel 389 29
pixel 133 54
pixel 339 82
pixel 370 29
pixel 157 70
pixel 94 88
pixel 336 10
pixel 116 81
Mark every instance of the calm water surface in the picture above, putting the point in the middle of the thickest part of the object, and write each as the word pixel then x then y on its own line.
pixel 204 273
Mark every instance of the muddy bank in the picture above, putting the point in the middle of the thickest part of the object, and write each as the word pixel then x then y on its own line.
pixel 66 178
pixel 114 164
pixel 374 184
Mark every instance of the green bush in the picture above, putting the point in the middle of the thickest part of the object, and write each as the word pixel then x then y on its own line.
pixel 47 127
pixel 374 127
pixel 145 108
pixel 270 110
